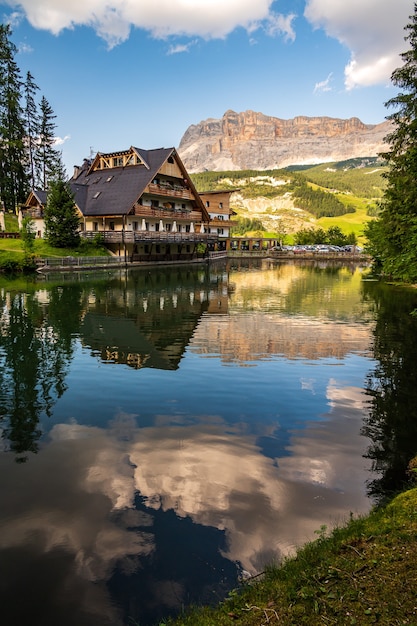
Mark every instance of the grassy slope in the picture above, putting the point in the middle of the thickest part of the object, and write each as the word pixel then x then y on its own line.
pixel 363 573
pixel 13 249
pixel 358 187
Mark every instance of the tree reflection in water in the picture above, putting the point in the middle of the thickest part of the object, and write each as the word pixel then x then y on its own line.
pixel 392 387
pixel 36 347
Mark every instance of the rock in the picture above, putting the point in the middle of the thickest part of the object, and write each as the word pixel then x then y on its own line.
pixel 251 140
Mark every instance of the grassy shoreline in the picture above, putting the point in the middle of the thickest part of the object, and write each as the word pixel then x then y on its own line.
pixel 361 573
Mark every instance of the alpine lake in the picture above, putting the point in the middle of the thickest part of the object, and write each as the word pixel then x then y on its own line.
pixel 168 432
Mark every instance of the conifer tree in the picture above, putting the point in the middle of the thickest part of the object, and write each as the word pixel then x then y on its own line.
pixel 61 219
pixel 393 236
pixel 47 156
pixel 13 157
pixel 32 126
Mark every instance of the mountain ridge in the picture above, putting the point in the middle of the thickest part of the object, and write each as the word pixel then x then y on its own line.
pixel 252 140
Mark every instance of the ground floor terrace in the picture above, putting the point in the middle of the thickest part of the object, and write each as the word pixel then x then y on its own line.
pixel 146 245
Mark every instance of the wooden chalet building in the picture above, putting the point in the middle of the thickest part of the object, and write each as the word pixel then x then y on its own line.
pixel 217 204
pixel 142 202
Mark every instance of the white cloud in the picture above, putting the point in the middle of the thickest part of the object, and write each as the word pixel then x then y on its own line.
pixel 179 48
pixel 113 20
pixel 59 141
pixel 324 85
pixel 25 48
pixel 373 34
pixel 278 24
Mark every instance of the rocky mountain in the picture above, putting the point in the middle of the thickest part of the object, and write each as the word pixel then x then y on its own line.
pixel 251 140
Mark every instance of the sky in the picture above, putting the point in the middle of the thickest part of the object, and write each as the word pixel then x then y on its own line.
pixel 140 72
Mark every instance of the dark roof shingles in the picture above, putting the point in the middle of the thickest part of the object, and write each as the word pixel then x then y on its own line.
pixel 114 191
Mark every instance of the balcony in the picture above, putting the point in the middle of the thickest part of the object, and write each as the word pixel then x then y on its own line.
pixel 216 223
pixel 145 236
pixel 142 210
pixel 170 191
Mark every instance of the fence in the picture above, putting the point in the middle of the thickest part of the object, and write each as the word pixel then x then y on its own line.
pixel 81 261
pixel 6 235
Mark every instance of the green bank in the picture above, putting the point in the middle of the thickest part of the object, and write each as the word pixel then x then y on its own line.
pixel 360 573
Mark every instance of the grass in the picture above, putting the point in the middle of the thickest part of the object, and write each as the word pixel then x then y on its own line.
pixel 13 249
pixel 362 573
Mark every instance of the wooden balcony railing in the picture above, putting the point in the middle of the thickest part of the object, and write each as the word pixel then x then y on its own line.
pixel 170 191
pixel 144 236
pixel 142 210
pixel 221 223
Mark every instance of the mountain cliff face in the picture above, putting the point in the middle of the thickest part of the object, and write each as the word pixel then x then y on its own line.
pixel 252 140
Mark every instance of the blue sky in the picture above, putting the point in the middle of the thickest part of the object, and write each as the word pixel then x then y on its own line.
pixel 139 72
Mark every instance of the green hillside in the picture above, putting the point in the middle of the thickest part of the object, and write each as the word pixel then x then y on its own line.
pixel 343 194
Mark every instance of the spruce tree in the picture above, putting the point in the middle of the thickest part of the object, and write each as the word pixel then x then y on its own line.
pixel 13 156
pixel 32 126
pixel 47 156
pixel 393 236
pixel 62 222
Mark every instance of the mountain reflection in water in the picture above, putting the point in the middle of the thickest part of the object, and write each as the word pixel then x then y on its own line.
pixel 175 427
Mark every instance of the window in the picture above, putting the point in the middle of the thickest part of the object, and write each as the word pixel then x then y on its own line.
pixel 157 227
pixel 183 206
pixel 135 225
pixel 220 205
pixel 155 203
pixel 109 179
pixel 168 226
pixel 117 161
pixel 187 228
pixel 146 248
pixel 220 231
pixel 95 226
pixel 111 225
pixel 170 159
pixel 96 195
pixel 158 248
pixel 207 204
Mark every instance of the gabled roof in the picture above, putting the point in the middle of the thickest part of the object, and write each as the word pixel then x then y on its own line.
pixel 103 191
pixel 37 195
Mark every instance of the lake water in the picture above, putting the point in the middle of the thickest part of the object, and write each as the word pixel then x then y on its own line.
pixel 166 432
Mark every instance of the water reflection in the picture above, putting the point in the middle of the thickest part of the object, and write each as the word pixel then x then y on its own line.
pixel 35 352
pixel 392 388
pixel 187 424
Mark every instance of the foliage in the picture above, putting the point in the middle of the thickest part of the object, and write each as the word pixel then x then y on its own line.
pixel 244 225
pixel 360 177
pixel 333 236
pixel 28 157
pixel 47 157
pixel 393 240
pixel 13 177
pixel 318 202
pixel 61 218
pixel 32 126
pixel 27 235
